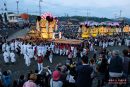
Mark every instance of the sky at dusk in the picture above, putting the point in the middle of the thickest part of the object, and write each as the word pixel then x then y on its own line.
pixel 99 8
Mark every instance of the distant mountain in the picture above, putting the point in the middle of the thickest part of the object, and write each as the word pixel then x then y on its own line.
pixel 32 18
pixel 83 18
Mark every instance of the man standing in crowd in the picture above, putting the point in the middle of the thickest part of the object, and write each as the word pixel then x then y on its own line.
pixel 12 57
pixel 6 57
pixel 126 62
pixel 84 73
pixel 115 67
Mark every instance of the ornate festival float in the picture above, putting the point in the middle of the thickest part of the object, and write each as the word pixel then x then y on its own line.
pixel 45 30
pixel 46 25
pixel 95 29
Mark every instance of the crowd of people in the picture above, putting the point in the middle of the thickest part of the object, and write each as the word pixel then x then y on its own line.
pixel 9 28
pixel 69 31
pixel 107 67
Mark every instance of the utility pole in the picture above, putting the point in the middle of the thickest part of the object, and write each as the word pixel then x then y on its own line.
pixel 120 13
pixel 17 1
pixel 87 15
pixel 2 14
pixel 40 7
pixel 5 13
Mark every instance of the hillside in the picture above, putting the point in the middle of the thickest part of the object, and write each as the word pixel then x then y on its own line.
pixel 32 18
pixel 83 18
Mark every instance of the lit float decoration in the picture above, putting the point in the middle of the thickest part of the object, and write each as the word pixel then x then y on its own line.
pixel 103 28
pixel 46 24
pixel 126 29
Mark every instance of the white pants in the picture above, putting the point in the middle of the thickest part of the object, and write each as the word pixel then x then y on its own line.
pixel 40 66
pixel 67 52
pixel 61 51
pixel 50 58
pixel 91 48
pixel 119 44
pixel 27 61
pixel 6 59
pixel 13 59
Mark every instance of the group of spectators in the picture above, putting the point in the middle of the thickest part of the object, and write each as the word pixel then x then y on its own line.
pixel 107 69
pixel 69 31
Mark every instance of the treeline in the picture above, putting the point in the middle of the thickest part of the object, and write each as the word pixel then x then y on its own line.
pixel 83 18
pixel 32 18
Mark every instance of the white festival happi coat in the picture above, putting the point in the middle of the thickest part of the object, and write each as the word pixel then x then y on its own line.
pixel 30 52
pixel 16 45
pixel 51 56
pixel 27 59
pixel 4 47
pixel 6 56
pixel 24 48
pixel 12 57
pixel 7 48
pixel 12 46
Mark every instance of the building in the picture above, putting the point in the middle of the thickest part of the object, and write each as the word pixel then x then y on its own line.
pixel 12 17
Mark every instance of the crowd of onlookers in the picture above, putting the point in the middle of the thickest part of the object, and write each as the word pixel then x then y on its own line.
pixel 106 67
pixel 69 31
pixel 10 28
pixel 14 25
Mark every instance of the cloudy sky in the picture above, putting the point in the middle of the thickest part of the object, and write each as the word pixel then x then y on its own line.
pixel 99 8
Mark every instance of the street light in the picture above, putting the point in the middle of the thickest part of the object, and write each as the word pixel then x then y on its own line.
pixel 17 1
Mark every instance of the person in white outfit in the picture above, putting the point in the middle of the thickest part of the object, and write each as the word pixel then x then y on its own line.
pixel 52 46
pixel 27 59
pixel 43 50
pixel 61 51
pixel 104 45
pixel 4 47
pixel 24 48
pixel 7 48
pixel 16 45
pixel 29 52
pixel 12 57
pixel 51 55
pixel 12 46
pixel 6 57
pixel 75 52
pixel 100 43
pixel 91 47
pixel 127 42
pixel 84 51
pixel 39 50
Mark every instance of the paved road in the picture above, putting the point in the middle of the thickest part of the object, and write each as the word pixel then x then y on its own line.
pixel 20 33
